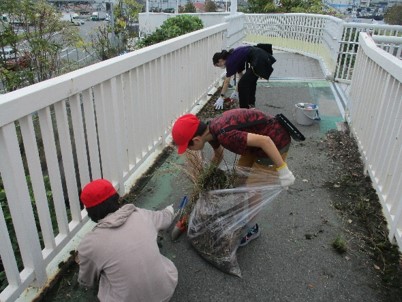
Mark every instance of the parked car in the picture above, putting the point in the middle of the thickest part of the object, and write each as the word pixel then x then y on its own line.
pixel 78 22
pixel 169 10
pixel 7 53
pixel 74 18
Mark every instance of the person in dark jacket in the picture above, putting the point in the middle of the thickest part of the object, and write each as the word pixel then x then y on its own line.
pixel 250 63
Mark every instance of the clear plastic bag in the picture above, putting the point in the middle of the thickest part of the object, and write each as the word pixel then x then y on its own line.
pixel 220 218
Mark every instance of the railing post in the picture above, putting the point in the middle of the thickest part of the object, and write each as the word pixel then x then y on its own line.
pixel 233 7
pixel 19 202
pixel 7 256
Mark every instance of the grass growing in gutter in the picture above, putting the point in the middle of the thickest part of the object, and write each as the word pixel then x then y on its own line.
pixel 358 202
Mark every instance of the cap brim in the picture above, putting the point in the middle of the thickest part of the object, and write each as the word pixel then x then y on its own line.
pixel 181 149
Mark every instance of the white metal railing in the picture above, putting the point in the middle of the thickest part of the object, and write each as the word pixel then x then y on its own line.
pixel 349 45
pixel 392 45
pixel 313 35
pixel 235 33
pixel 374 114
pixel 105 120
pixel 330 40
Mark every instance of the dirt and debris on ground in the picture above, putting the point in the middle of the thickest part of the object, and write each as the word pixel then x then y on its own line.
pixel 362 243
pixel 358 203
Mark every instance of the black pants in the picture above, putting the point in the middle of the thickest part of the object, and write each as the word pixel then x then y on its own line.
pixel 247 87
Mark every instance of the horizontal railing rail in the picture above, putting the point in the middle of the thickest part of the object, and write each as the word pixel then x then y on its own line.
pixel 374 114
pixel 392 45
pixel 110 120
pixel 349 45
pixel 328 39
pixel 235 33
pixel 332 41
pixel 312 35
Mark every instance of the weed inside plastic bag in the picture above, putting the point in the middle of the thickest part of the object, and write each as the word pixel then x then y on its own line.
pixel 220 218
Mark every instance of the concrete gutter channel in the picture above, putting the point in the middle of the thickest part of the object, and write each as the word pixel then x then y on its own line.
pixel 293 259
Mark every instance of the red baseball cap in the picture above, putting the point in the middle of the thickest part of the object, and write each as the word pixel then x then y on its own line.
pixel 96 192
pixel 183 131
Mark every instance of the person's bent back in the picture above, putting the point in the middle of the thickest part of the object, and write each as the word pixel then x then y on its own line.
pixel 121 251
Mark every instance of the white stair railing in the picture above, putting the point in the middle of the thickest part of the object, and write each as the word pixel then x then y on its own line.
pixel 374 114
pixel 111 120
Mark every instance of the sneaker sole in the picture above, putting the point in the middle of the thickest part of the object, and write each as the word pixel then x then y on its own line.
pixel 251 239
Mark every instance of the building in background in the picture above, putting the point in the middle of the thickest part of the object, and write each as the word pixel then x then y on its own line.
pixel 344 5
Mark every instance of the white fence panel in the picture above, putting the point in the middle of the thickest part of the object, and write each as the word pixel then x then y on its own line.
pixel 111 119
pixel 53 170
pixel 349 45
pixel 375 116
pixel 392 45
pixel 37 180
pixel 77 122
pixel 315 36
pixel 330 40
pixel 236 32
pixel 20 207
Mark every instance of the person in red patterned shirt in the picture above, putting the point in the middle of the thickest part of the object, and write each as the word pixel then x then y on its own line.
pixel 258 137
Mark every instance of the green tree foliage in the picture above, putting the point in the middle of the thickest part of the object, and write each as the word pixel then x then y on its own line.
pixel 189 7
pixel 172 27
pixel 37 35
pixel 125 11
pixel 102 44
pixel 393 15
pixel 301 6
pixel 286 6
pixel 210 6
pixel 258 6
pixel 270 8
pixel 107 41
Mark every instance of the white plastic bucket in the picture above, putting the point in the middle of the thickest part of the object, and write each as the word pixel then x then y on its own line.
pixel 306 113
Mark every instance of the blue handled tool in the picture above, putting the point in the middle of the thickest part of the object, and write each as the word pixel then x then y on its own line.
pixel 182 205
pixel 181 224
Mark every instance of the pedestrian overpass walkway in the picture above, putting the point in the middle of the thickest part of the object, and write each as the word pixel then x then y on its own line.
pixel 283 264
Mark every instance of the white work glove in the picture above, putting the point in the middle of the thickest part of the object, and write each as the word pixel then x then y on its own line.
pixel 219 103
pixel 286 176
pixel 170 209
pixel 234 96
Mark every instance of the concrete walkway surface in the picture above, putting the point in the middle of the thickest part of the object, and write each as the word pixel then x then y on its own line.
pixel 293 259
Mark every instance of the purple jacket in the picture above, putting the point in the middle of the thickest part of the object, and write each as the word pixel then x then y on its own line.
pixel 236 61
pixel 256 58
